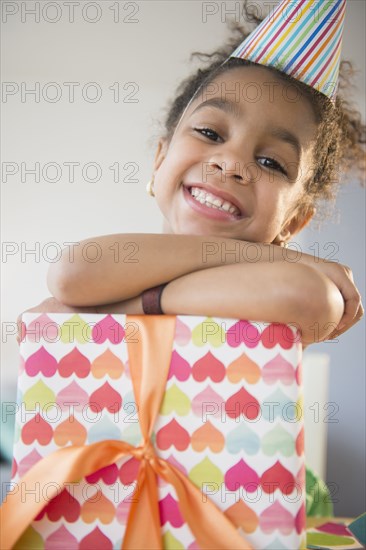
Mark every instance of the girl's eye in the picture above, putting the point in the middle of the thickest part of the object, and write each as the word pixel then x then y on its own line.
pixel 213 136
pixel 206 131
pixel 274 164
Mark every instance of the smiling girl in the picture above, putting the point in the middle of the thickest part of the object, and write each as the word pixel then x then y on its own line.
pixel 247 154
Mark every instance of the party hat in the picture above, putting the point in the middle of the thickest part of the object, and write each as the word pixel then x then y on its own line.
pixel 301 38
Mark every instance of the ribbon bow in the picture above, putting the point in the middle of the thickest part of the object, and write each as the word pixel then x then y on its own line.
pixel 149 361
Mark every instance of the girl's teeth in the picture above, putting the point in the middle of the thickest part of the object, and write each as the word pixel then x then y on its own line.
pixel 211 201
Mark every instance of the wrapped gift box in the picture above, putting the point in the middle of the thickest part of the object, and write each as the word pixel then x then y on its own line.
pixel 182 431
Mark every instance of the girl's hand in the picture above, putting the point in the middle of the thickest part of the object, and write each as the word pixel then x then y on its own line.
pixel 51 305
pixel 342 277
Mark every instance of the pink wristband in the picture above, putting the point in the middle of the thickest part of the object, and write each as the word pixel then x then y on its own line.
pixel 151 300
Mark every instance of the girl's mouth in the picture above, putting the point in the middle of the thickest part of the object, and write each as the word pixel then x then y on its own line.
pixel 205 203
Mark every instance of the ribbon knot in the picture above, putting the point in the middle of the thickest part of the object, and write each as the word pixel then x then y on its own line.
pixel 147 452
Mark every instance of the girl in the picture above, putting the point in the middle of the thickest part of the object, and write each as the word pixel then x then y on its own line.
pixel 236 177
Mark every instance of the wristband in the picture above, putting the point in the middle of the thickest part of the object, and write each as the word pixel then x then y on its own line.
pixel 151 300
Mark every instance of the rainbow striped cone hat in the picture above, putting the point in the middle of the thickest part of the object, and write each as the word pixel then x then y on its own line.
pixel 301 38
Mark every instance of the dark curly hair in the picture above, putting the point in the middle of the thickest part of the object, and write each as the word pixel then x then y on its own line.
pixel 341 134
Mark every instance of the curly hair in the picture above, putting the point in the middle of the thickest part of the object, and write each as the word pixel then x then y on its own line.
pixel 340 136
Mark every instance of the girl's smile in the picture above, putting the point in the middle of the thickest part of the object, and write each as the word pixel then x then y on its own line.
pixel 237 167
pixel 210 202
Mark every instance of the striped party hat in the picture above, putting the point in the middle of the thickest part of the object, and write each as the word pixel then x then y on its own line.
pixel 301 38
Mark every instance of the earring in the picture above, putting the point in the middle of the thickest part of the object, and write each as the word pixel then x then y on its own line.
pixel 150 187
pixel 278 242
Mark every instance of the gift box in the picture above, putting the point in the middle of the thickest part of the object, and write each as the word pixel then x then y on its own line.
pixel 157 431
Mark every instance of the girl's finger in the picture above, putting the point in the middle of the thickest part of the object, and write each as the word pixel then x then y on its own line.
pixel 357 317
pixel 19 327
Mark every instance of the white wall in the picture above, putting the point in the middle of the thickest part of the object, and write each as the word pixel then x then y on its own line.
pixel 152 53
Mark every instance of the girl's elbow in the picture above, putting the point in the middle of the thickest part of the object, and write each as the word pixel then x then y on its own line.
pixel 323 308
pixel 336 299
pixel 59 282
pixel 332 309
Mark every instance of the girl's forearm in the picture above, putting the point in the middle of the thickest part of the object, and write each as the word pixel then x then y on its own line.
pixel 275 293
pixel 116 267
pixel 127 264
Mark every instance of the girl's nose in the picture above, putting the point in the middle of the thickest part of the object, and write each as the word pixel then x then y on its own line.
pixel 229 163
pixel 224 169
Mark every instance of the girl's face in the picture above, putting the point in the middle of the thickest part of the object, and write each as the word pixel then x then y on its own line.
pixel 249 139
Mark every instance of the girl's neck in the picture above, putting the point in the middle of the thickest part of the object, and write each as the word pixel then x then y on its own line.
pixel 166 228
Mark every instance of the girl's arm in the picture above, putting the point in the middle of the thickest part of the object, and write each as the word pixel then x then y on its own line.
pixel 116 267
pixel 119 267
pixel 291 293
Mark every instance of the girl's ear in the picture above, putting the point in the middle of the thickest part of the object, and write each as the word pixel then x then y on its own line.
pixel 160 153
pixel 297 222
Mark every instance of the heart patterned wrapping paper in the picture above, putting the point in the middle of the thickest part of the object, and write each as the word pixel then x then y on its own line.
pixel 221 460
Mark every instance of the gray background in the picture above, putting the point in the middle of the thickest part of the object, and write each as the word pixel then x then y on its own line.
pixel 149 45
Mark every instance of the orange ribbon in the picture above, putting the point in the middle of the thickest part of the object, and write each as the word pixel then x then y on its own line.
pixel 149 361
